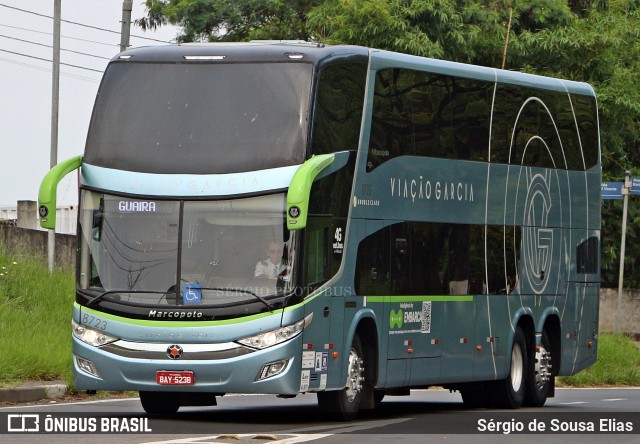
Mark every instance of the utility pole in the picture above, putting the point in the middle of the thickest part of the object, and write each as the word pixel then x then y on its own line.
pixel 506 42
pixel 625 193
pixel 126 25
pixel 55 102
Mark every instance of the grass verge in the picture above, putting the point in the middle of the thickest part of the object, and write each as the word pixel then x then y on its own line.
pixel 35 317
pixel 618 364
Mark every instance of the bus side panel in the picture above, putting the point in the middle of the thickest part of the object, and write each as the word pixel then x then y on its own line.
pixel 488 356
pixel 316 365
pixel 460 340
pixel 580 328
pixel 416 330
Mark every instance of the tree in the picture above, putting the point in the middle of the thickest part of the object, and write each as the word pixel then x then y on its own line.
pixel 603 49
pixel 238 20
pixel 596 41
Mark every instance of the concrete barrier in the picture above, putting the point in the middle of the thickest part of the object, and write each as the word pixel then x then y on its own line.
pixel 33 243
pixel 629 313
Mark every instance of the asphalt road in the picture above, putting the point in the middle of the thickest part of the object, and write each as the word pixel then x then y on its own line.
pixel 437 415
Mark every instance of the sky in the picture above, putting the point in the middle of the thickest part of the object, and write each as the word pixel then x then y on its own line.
pixel 26 37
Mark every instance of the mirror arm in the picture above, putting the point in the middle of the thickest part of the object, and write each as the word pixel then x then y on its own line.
pixel 300 189
pixel 48 190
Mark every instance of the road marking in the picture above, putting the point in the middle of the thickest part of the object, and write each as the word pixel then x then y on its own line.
pixel 574 402
pixel 365 425
pixel 242 437
pixel 614 399
pixel 290 436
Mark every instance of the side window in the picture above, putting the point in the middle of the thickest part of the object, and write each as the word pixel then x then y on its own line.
pixel 587 256
pixel 424 114
pixel 535 127
pixel 503 259
pixel 372 265
pixel 420 258
pixel 326 225
pixel 338 108
pixel 586 114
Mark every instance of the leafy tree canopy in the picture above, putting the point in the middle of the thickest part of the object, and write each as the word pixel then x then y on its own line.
pixel 597 41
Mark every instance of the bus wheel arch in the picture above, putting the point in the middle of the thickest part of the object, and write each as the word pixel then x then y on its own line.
pixel 361 374
pixel 343 404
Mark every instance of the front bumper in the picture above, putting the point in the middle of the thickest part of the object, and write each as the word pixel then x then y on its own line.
pixel 230 373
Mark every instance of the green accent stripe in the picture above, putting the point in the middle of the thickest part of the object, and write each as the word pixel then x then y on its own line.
pixel 176 324
pixel 183 324
pixel 419 298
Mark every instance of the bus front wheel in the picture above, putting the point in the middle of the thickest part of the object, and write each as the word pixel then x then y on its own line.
pixel 160 403
pixel 344 404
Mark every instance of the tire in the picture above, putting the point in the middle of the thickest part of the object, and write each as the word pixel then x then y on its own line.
pixel 510 391
pixel 540 378
pixel 160 403
pixel 344 404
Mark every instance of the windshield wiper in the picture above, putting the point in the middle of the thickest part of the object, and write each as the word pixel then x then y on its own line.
pixel 101 296
pixel 240 290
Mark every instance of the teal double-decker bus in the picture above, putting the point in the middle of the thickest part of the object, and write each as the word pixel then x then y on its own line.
pixel 287 217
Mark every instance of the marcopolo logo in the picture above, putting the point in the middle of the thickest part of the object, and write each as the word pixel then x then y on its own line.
pixel 395 319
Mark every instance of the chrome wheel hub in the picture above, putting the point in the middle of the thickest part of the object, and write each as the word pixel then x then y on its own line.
pixel 355 375
pixel 542 367
pixel 517 369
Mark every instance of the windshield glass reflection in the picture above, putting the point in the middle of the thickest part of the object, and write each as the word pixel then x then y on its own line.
pixel 200 253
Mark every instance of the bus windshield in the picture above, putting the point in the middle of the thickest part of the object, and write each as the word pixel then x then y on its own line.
pixel 211 253
pixel 200 118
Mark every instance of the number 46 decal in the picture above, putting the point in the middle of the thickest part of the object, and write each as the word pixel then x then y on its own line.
pixel 338 245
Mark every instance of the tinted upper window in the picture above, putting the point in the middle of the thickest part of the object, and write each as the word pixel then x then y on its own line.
pixel 338 108
pixel 535 127
pixel 424 114
pixel 200 118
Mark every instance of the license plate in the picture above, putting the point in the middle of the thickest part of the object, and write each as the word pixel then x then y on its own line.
pixel 174 378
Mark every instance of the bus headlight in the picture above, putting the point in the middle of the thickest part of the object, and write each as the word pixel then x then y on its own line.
pixel 277 336
pixel 91 336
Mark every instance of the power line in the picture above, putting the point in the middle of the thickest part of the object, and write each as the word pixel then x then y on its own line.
pixel 81 24
pixel 41 68
pixel 49 46
pixel 50 61
pixel 64 36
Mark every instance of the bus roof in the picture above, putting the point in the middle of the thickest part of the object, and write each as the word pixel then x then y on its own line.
pixel 319 53
pixel 259 51
pixel 386 59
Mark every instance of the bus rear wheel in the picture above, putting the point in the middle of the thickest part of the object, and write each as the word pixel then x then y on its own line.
pixel 344 404
pixel 510 391
pixel 540 377
pixel 160 403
